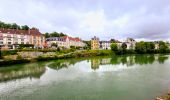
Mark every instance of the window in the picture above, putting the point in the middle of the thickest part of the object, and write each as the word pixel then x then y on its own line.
pixel 1 42
pixel 9 42
pixel 8 36
pixel 22 39
pixel 9 39
pixel 22 42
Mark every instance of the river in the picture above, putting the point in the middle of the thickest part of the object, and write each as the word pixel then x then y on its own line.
pixel 130 77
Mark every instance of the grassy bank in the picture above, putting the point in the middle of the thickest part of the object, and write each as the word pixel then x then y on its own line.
pixel 77 54
pixel 54 56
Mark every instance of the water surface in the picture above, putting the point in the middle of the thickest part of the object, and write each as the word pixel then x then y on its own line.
pixel 133 77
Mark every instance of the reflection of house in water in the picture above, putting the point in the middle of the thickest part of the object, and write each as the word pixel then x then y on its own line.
pixel 105 61
pixel 130 60
pixel 29 70
pixel 95 64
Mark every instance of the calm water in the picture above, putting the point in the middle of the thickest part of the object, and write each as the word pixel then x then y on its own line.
pixel 135 77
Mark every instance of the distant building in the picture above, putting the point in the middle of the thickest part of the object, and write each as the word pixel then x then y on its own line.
pixel 95 43
pixel 104 45
pixel 65 41
pixel 119 44
pixel 156 45
pixel 131 43
pixel 12 38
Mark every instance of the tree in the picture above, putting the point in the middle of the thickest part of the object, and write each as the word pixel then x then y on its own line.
pixel 47 35
pixel 15 26
pixel 124 46
pixel 162 47
pixel 88 44
pixel 140 47
pixel 25 27
pixel 114 47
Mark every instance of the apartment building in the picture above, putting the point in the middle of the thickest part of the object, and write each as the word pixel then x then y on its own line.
pixel 65 41
pixel 95 45
pixel 12 38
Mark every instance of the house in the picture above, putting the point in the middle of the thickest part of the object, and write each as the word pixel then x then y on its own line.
pixel 104 45
pixel 12 38
pixel 95 43
pixel 65 41
pixel 131 43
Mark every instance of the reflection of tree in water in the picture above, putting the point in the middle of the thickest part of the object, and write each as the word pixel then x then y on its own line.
pixel 124 60
pixel 58 65
pixel 137 59
pixel 32 70
pixel 144 59
pixel 63 63
pixel 162 59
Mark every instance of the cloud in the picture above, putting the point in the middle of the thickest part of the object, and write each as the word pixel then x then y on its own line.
pixel 139 19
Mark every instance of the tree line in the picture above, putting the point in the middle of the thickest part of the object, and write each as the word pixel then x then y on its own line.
pixel 26 27
pixel 142 48
pixel 54 34
pixel 14 26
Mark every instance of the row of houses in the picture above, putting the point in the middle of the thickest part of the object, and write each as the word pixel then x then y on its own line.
pixel 65 42
pixel 96 44
pixel 11 38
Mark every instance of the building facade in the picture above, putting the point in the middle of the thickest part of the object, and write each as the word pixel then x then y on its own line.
pixel 104 45
pixel 95 43
pixel 12 38
pixel 131 43
pixel 65 41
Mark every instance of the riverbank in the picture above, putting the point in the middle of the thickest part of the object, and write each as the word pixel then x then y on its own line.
pixel 25 57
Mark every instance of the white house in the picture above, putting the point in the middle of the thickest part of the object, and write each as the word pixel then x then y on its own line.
pixel 65 41
pixel 104 44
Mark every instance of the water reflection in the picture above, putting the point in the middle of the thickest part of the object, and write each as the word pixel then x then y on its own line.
pixel 32 70
pixel 35 70
pixel 127 60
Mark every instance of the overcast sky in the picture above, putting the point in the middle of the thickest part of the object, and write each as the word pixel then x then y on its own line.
pixel 119 19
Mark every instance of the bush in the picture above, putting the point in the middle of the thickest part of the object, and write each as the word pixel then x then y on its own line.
pixel 8 52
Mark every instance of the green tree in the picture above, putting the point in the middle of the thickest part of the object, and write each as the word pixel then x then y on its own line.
pixel 124 46
pixel 140 47
pixel 162 47
pixel 114 47
pixel 25 27
pixel 47 35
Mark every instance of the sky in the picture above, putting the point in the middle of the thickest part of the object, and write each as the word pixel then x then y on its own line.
pixel 106 19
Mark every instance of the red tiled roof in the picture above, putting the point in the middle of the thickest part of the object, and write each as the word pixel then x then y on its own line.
pixel 26 32
pixel 71 38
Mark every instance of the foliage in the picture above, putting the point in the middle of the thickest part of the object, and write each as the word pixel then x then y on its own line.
pixel 13 26
pixel 114 47
pixel 162 47
pixel 124 46
pixel 21 46
pixel 8 52
pixel 54 34
pixel 88 44
pixel 145 47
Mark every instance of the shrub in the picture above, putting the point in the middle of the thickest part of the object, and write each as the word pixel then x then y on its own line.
pixel 8 52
